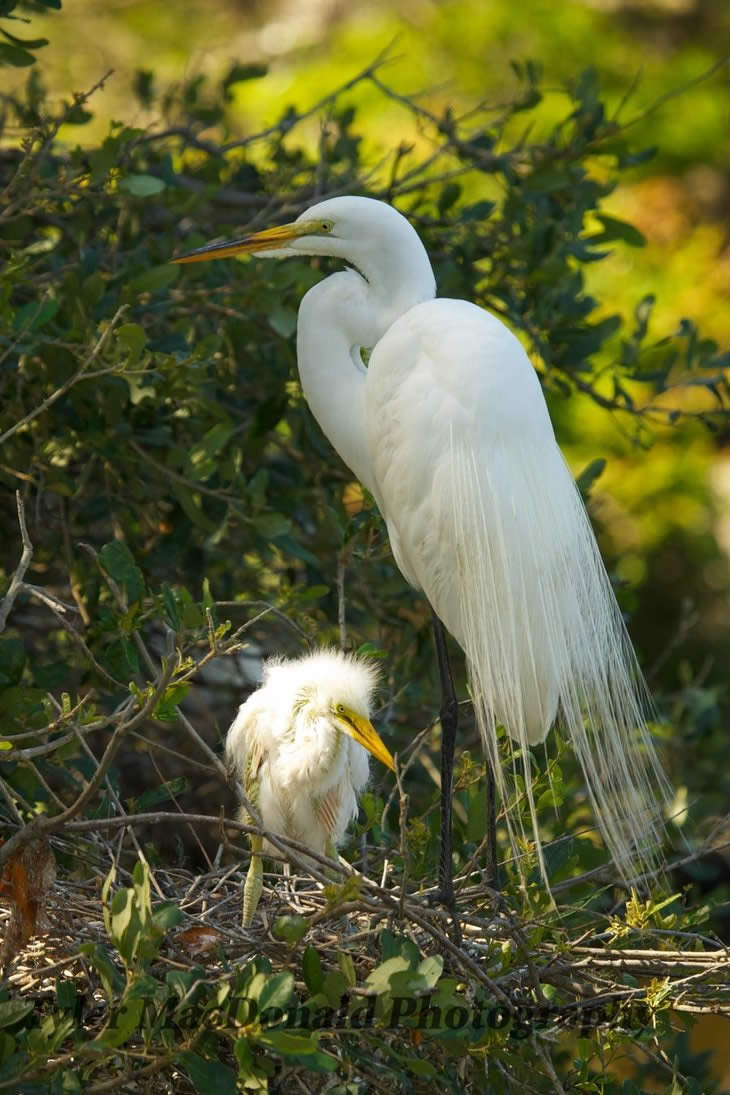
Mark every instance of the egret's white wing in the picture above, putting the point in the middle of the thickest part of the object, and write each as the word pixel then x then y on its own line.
pixel 487 520
pixel 449 385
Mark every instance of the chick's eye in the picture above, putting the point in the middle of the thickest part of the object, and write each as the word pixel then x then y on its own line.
pixel 340 708
pixel 326 226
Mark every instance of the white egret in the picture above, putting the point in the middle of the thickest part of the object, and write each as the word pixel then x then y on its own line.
pixel 448 428
pixel 299 744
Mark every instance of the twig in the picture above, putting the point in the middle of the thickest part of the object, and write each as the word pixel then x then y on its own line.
pixel 17 580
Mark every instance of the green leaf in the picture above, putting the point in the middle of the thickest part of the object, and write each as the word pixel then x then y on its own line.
pixel 166 709
pixel 282 1041
pixel 479 211
pixel 122 911
pixel 35 314
pixel 12 661
pixel 371 650
pixel 347 967
pixel 123 1023
pixel 290 929
pixel 109 975
pixel 203 456
pixel 588 476
pixel 166 792
pixel 14 55
pixel 142 186
pixel 448 196
pixel 283 320
pixel 28 43
pixel 133 338
pixel 334 987
pixel 312 970
pixel 271 525
pixel 156 279
pixel 550 798
pixel 170 603
pixel 614 229
pixel 238 73
pixel 431 969
pixel 66 994
pixel 379 978
pixel 166 915
pixel 277 991
pixel 12 1011
pixel 119 563
pixel 208 1077
pixel 313 593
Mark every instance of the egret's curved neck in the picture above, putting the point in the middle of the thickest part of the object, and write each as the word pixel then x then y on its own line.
pixel 340 316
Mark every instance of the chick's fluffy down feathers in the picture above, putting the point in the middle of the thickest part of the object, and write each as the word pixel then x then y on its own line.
pixel 305 777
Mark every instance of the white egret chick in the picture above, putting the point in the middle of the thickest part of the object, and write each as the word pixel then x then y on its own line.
pixel 300 745
pixel 448 428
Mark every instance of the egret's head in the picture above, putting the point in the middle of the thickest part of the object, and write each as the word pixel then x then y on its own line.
pixel 336 687
pixel 366 232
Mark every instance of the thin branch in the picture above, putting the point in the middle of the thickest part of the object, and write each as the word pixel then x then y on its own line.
pixel 16 581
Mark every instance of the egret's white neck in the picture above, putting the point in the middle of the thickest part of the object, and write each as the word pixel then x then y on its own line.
pixel 340 316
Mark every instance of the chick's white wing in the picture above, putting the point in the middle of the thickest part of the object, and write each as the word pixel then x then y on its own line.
pixel 250 740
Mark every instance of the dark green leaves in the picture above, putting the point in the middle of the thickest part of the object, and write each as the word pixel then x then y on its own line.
pixel 12 1011
pixel 12 660
pixel 15 56
pixel 155 279
pixel 312 970
pixel 589 475
pixel 117 560
pixel 614 229
pixel 15 50
pixel 208 1077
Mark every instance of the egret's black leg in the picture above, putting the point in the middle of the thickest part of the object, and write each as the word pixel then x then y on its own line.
pixel 449 724
pixel 492 874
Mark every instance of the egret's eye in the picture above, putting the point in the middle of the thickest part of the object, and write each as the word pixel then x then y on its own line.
pixel 340 709
pixel 326 226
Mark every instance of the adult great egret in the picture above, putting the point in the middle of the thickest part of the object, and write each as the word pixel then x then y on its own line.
pixel 299 744
pixel 449 430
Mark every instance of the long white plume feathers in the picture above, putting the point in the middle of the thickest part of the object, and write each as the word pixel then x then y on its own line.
pixel 544 640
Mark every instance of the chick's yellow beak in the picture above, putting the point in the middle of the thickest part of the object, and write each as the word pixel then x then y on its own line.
pixel 363 731
pixel 268 240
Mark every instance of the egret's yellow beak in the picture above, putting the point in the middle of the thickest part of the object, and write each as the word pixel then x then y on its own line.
pixel 268 240
pixel 363 731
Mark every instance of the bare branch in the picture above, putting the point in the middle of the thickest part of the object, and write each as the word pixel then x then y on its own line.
pixel 16 581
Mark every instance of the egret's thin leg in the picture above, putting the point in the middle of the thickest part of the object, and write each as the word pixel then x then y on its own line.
pixel 254 881
pixel 492 873
pixel 449 723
